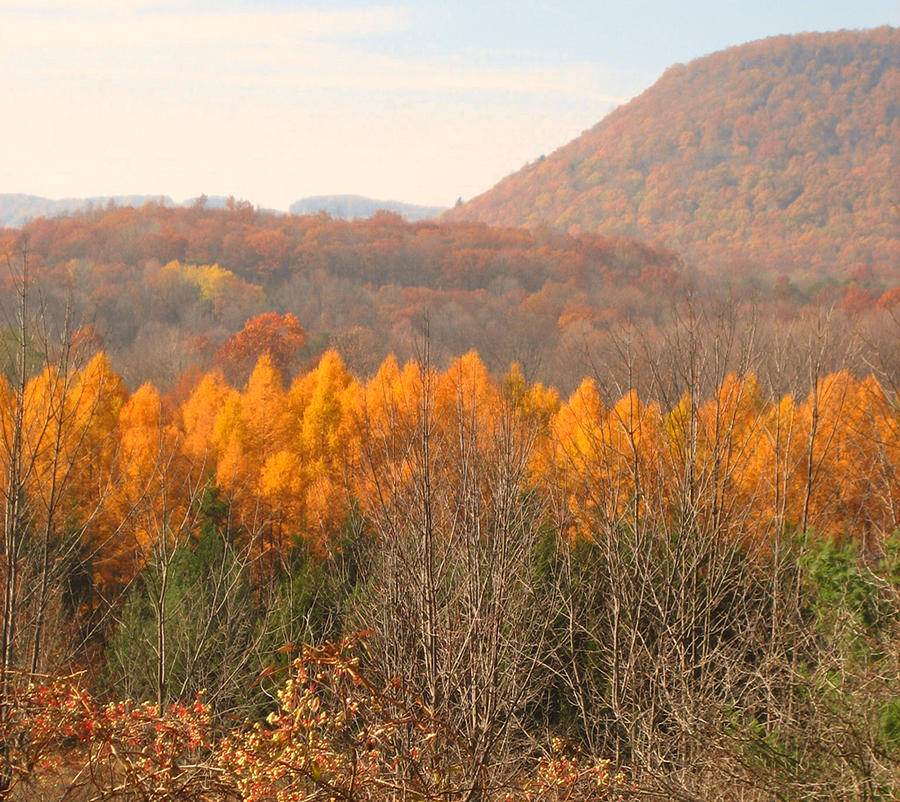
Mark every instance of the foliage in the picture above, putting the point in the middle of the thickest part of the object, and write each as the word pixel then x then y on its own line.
pixel 170 290
pixel 612 569
pixel 119 750
pixel 337 732
pixel 774 155
pixel 278 336
pixel 212 617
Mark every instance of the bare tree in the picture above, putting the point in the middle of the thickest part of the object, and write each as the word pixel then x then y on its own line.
pixel 36 463
pixel 452 597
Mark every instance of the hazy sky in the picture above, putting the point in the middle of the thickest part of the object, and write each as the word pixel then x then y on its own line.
pixel 272 101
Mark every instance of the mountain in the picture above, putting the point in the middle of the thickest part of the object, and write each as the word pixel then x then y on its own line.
pixel 355 207
pixel 778 156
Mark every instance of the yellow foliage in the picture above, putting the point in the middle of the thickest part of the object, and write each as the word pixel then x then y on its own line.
pixel 291 461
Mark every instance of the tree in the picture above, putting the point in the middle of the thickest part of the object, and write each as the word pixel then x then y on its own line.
pixel 45 422
pixel 191 623
pixel 451 597
pixel 279 336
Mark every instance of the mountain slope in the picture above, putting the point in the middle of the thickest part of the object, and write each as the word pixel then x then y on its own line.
pixel 780 155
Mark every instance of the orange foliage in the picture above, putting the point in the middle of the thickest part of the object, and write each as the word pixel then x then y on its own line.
pixel 292 461
pixel 739 462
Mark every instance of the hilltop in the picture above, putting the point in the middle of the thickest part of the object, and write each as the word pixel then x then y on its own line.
pixel 777 156
pixel 16 209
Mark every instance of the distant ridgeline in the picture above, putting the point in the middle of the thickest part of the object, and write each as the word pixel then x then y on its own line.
pixel 354 207
pixel 16 209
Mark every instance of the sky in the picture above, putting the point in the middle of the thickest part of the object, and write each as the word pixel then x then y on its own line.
pixel 271 101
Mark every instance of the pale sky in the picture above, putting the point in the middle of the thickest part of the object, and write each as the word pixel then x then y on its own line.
pixel 272 101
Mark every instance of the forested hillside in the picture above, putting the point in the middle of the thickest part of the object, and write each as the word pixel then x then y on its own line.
pixel 779 157
pixel 276 577
pixel 163 289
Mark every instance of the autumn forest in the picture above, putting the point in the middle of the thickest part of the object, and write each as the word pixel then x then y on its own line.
pixel 300 508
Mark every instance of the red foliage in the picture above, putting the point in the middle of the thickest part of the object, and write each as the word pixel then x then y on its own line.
pixel 279 336
pixel 501 291
pixel 889 299
pixel 337 733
